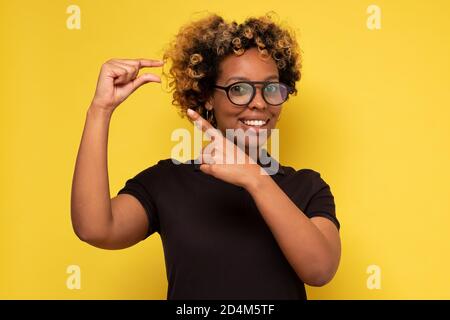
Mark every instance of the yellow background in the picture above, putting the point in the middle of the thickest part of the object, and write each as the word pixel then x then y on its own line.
pixel 372 116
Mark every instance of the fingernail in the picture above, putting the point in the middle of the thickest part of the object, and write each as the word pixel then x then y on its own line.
pixel 190 112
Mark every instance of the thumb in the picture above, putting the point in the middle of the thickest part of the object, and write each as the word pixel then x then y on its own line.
pixel 145 78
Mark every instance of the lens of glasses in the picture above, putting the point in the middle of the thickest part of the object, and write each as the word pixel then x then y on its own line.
pixel 274 93
pixel 241 93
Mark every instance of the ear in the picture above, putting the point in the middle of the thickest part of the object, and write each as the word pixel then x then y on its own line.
pixel 209 103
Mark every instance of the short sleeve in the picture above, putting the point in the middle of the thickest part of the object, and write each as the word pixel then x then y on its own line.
pixel 321 203
pixel 139 188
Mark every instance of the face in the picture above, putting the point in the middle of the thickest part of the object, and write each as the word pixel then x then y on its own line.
pixel 249 66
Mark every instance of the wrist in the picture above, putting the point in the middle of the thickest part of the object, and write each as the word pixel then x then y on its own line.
pixel 255 178
pixel 96 111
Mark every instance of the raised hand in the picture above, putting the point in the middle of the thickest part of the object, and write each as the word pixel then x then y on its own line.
pixel 118 79
pixel 222 158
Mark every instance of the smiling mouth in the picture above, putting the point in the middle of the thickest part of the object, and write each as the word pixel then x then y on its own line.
pixel 256 123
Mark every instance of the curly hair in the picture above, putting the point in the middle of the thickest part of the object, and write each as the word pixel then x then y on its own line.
pixel 200 46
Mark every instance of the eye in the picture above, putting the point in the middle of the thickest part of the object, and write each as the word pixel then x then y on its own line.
pixel 240 89
pixel 272 88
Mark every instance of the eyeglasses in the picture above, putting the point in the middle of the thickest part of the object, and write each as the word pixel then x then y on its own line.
pixel 242 93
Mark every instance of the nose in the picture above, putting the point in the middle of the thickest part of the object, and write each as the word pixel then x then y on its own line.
pixel 258 101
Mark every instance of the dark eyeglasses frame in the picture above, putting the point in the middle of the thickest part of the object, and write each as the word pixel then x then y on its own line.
pixel 252 83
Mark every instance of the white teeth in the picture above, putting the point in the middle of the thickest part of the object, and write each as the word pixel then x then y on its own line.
pixel 256 123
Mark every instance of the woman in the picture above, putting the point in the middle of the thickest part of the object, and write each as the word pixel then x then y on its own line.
pixel 228 231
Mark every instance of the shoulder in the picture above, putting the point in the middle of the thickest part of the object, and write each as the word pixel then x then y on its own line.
pixel 306 177
pixel 305 173
pixel 310 173
pixel 163 168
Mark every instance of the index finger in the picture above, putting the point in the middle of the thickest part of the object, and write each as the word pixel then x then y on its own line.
pixel 150 63
pixel 141 63
pixel 200 123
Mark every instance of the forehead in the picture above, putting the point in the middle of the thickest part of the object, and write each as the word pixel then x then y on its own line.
pixel 248 65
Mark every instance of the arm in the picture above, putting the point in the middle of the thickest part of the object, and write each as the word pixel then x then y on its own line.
pixel 312 246
pixel 96 219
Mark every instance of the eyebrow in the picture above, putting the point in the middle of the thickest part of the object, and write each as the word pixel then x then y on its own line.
pixel 244 78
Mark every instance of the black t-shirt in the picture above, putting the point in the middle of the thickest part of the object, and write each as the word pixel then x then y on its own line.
pixel 216 243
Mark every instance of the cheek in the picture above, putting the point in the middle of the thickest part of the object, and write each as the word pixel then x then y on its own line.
pixel 226 113
pixel 275 115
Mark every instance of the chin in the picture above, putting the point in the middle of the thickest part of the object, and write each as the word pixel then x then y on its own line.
pixel 251 141
pixel 248 136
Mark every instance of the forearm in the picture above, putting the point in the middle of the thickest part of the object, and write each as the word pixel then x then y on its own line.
pixel 90 199
pixel 302 243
